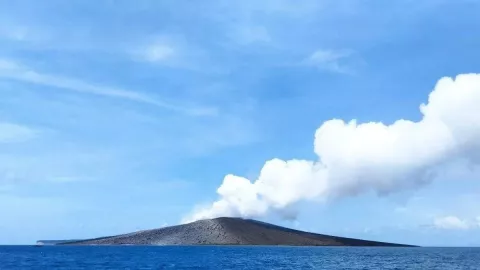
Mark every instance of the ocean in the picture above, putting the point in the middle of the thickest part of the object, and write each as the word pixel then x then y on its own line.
pixel 230 257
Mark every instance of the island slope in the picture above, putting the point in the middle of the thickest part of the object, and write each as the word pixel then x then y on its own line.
pixel 227 231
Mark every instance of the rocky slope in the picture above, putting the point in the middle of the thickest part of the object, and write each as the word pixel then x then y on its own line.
pixel 227 231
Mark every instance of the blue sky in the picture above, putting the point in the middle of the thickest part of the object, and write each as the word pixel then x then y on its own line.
pixel 117 116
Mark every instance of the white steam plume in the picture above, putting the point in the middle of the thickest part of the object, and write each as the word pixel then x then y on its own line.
pixel 355 158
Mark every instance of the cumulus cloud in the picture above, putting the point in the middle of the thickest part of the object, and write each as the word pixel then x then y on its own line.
pixel 355 158
pixel 451 223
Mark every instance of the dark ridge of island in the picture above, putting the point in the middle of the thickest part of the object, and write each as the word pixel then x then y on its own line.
pixel 227 231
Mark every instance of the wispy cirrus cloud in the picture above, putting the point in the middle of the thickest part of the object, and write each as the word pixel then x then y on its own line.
pixel 330 60
pixel 12 133
pixel 159 50
pixel 175 52
pixel 453 223
pixel 245 34
pixel 14 71
pixel 13 33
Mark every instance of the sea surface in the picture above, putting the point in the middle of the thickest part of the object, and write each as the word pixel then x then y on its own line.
pixel 225 257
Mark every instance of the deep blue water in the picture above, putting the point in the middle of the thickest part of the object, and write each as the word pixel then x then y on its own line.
pixel 130 257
